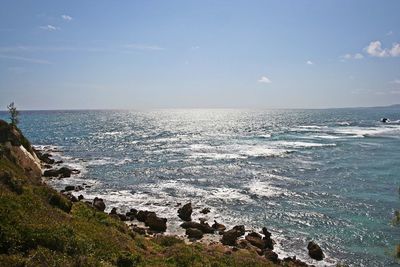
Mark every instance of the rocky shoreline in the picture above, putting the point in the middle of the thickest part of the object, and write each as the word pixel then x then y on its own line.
pixel 150 224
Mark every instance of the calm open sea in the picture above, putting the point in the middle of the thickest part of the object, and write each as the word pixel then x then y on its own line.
pixel 327 175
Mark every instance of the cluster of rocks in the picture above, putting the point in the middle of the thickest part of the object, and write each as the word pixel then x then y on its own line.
pixel 48 162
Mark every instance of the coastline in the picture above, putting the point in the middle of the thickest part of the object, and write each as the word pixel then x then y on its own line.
pixel 177 231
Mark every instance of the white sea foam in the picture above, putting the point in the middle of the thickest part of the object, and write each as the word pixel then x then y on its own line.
pixel 299 144
pixel 391 131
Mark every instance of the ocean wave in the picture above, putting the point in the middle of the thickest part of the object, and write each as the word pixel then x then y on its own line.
pixel 387 131
pixel 300 144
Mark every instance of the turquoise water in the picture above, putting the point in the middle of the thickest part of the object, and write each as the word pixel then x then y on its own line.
pixel 328 175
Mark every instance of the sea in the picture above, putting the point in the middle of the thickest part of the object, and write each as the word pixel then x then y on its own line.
pixel 328 175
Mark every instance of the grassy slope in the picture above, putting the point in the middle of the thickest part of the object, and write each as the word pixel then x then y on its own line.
pixel 38 226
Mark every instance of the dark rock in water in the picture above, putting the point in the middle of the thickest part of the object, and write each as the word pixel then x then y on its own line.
pixel 219 227
pixel 80 197
pixel 78 188
pixel 315 251
pixel 59 162
pixel 194 233
pixel 98 203
pixel 45 157
pixel 69 188
pixel 122 217
pixel 255 240
pixel 142 215
pixel 204 227
pixel 240 229
pixel 269 242
pixel 113 211
pixel 230 237
pixel 185 213
pixel 156 223
pixel 205 211
pixel 272 256
pixel 384 120
pixel 294 262
pixel 63 172
pixel 131 214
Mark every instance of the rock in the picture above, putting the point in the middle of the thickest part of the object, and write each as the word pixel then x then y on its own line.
pixel 71 197
pixel 122 217
pixel 156 223
pixel 230 237
pixel 243 244
pixel 113 211
pixel 98 203
pixel 269 242
pixel 288 261
pixel 69 188
pixel 315 251
pixel 80 197
pixel 255 240
pixel 142 215
pixel 185 213
pixel 59 162
pixel 194 233
pixel 45 157
pixel 205 211
pixel 240 229
pixel 204 227
pixel 63 172
pixel 131 214
pixel 219 227
pixel 272 256
pixel 78 188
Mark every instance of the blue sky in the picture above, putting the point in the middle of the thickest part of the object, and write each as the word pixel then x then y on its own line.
pixel 199 54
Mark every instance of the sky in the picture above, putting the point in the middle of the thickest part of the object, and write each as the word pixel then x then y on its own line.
pixel 103 54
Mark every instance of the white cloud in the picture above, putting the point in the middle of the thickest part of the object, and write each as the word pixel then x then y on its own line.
pixel 264 79
pixel 375 49
pixel 309 62
pixel 144 47
pixel 49 28
pixel 353 56
pixel 358 56
pixel 66 17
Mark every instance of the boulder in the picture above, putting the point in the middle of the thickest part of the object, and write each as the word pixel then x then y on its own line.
pixel 205 211
pixel 122 217
pixel 156 223
pixel 113 211
pixel 255 240
pixel 185 213
pixel 292 261
pixel 230 237
pixel 219 227
pixel 131 214
pixel 69 188
pixel 272 256
pixel 194 233
pixel 80 197
pixel 204 227
pixel 98 203
pixel 269 242
pixel 142 215
pixel 315 251
pixel 63 172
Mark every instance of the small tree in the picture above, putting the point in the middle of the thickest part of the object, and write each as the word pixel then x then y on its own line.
pixel 14 114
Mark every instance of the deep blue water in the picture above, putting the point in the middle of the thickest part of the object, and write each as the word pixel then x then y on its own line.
pixel 328 175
